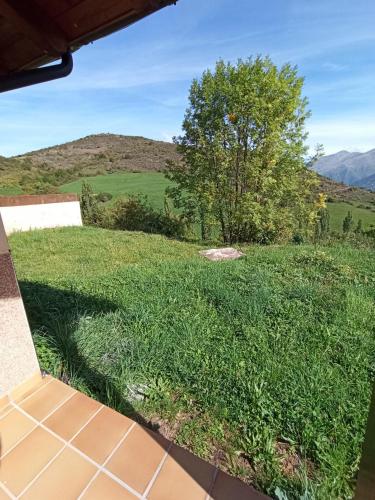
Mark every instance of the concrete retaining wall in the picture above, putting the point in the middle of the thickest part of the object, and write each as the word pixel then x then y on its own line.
pixel 25 212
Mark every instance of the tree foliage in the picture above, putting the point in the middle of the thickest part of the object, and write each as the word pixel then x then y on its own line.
pixel 91 213
pixel 347 223
pixel 243 149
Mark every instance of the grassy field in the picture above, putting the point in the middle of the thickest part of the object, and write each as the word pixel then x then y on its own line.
pixel 153 185
pixel 9 190
pixel 263 366
pixel 338 212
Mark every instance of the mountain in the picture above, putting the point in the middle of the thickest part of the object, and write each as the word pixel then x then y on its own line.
pixel 104 152
pixel 356 169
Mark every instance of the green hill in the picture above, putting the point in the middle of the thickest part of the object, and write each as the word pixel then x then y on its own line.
pixel 264 365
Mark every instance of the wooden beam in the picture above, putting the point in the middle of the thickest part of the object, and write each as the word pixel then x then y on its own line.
pixel 29 19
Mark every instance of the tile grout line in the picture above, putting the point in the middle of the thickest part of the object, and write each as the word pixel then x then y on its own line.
pixel 122 483
pixel 59 406
pixel 41 472
pixel 12 402
pixel 18 442
pixel 88 484
pixel 66 444
pixel 156 473
pixel 101 469
pixel 32 394
pixel 83 455
pixel 15 407
pixel 119 444
pixel 88 421
pixel 6 490
pixel 8 411
pixel 210 489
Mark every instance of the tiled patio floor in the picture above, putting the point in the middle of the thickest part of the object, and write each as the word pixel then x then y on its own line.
pixel 56 443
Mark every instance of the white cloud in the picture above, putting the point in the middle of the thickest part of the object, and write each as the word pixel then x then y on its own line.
pixel 331 66
pixel 352 134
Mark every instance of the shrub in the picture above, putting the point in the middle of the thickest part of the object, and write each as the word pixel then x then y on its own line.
pixel 91 213
pixel 136 214
pixel 298 239
pixel 347 223
pixel 103 197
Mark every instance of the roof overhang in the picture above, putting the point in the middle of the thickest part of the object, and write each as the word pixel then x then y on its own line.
pixel 36 32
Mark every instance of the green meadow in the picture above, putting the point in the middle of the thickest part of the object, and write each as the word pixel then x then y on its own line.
pixel 151 184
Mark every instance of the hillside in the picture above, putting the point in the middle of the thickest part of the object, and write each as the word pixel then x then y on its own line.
pixel 357 169
pixel 46 170
pixel 105 152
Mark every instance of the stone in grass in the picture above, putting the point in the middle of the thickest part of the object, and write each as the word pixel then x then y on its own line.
pixel 221 253
pixel 137 392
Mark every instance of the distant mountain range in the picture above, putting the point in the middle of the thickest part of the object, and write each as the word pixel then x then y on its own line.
pixel 355 169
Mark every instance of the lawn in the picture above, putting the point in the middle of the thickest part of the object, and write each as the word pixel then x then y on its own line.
pixel 153 185
pixel 263 366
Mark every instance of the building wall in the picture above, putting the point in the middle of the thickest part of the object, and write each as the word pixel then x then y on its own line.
pixel 22 213
pixel 18 360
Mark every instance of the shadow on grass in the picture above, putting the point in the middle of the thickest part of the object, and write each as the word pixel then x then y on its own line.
pixel 55 312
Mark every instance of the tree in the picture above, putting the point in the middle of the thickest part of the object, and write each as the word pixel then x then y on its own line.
pixel 89 205
pixel 347 223
pixel 322 223
pixel 359 228
pixel 243 153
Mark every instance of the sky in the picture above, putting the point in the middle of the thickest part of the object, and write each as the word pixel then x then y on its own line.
pixel 136 81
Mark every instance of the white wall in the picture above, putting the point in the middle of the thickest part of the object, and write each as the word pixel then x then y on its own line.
pixel 26 217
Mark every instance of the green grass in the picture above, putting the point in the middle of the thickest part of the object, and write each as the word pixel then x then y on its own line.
pixel 10 190
pixel 339 210
pixel 151 184
pixel 263 365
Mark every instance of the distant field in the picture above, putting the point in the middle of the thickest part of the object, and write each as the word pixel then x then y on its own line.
pixel 152 184
pixel 10 190
pixel 338 211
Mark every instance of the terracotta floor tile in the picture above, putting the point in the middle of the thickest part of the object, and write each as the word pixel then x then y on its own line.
pixel 4 410
pixel 138 457
pixel 183 476
pixel 27 459
pixel 40 404
pixel 102 434
pixel 72 416
pixel 103 487
pixel 27 387
pixel 65 477
pixel 3 495
pixel 4 401
pixel 12 428
pixel 227 488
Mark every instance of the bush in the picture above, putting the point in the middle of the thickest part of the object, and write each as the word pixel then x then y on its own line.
pixel 91 213
pixel 103 197
pixel 136 214
pixel 298 239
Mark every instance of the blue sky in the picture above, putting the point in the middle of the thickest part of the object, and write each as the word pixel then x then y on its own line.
pixel 136 81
